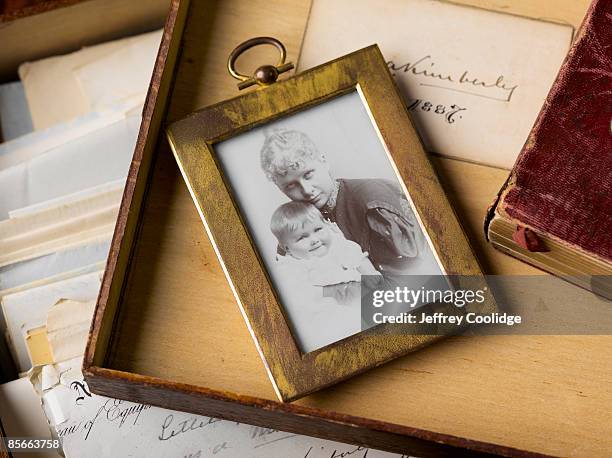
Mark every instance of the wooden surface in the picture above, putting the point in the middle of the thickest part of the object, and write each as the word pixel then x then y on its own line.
pixel 296 374
pixel 13 9
pixel 179 321
pixel 62 26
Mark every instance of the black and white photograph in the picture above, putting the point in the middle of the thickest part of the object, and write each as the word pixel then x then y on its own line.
pixel 324 206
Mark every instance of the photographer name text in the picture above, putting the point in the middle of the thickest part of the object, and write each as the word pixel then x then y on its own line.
pixel 443 318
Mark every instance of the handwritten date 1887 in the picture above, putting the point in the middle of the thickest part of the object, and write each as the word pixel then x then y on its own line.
pixel 451 114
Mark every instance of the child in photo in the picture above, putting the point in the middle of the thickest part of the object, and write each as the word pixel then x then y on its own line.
pixel 372 212
pixel 321 271
pixel 315 250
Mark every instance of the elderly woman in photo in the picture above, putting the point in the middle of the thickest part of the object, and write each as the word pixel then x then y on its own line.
pixel 372 212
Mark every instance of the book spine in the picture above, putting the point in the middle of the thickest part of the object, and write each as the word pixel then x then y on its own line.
pixel 557 97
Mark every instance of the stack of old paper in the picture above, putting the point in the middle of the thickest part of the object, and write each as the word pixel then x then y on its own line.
pixel 92 425
pixel 68 130
pixel 69 127
pixel 69 133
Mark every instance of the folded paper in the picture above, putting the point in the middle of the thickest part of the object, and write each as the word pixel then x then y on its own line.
pixel 55 93
pixel 99 157
pixel 473 80
pixel 28 309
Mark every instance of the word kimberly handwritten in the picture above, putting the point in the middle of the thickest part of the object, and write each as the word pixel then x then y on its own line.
pixel 460 82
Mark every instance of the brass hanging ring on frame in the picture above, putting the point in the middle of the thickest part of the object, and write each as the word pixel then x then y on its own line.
pixel 264 75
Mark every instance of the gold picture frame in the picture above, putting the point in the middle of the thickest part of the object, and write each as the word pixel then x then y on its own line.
pixel 194 139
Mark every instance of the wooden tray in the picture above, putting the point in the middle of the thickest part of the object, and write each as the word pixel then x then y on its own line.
pixel 168 332
pixel 56 27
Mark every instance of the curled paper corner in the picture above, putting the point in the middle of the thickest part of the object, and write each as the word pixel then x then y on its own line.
pixel 68 324
pixel 53 385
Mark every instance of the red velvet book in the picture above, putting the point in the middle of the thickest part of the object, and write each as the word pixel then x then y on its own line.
pixel 555 210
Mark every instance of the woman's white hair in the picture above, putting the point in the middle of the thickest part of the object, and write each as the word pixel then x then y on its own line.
pixel 285 150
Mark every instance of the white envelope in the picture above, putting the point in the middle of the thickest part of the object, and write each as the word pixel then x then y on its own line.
pixel 63 263
pixel 122 75
pixel 100 156
pixel 473 80
pixel 68 325
pixel 26 147
pixel 53 90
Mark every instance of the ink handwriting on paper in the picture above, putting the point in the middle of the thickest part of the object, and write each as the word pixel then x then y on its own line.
pixel 461 81
pixel 451 114
pixel 82 390
pixel 113 411
pixel 268 436
pixel 220 447
pixel 356 452
pixel 197 454
pixel 257 432
pixel 170 428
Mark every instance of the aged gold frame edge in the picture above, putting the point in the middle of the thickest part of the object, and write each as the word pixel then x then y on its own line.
pixel 283 394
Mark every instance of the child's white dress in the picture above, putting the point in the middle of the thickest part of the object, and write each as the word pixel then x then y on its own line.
pixel 339 265
pixel 318 320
